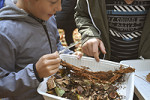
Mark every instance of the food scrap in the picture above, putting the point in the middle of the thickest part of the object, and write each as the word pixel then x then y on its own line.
pixel 148 77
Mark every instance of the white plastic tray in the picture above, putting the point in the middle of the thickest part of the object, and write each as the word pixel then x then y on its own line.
pixel 139 65
pixel 104 65
pixel 142 88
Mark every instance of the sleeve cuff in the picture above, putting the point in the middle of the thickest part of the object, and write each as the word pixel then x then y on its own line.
pixel 36 74
pixel 89 37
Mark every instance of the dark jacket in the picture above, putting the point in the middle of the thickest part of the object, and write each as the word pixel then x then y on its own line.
pixel 67 12
pixel 91 19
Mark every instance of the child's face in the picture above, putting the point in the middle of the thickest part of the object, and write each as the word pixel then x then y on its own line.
pixel 43 9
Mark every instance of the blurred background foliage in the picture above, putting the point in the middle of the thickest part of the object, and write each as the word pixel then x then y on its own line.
pixel 76 38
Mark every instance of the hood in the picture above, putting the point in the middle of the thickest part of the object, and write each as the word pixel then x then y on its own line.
pixel 11 12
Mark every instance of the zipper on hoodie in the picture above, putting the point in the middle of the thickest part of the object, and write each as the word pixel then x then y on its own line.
pixel 46 31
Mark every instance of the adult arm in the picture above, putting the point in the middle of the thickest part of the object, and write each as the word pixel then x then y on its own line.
pixel 92 44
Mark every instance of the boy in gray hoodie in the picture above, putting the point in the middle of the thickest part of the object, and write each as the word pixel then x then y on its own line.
pixel 29 42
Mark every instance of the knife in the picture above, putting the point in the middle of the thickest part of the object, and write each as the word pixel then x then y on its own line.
pixel 70 46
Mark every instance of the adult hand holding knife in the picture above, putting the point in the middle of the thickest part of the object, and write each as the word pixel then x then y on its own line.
pixel 93 47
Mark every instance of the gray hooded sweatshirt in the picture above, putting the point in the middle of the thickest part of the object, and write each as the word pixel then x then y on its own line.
pixel 23 40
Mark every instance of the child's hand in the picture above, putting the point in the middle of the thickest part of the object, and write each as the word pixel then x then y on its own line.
pixel 79 54
pixel 48 65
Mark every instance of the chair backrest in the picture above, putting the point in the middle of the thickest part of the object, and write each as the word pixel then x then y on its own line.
pixel 2 3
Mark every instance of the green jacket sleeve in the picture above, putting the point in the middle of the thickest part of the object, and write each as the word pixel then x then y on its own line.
pixel 84 22
pixel 144 48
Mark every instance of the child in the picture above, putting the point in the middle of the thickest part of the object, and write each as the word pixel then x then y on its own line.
pixel 29 42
